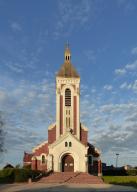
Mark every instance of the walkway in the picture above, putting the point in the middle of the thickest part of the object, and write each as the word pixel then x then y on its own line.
pixel 41 187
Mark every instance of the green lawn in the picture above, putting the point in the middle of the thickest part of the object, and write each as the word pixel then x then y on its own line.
pixel 121 180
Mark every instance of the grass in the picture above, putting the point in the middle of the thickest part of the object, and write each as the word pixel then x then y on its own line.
pixel 121 180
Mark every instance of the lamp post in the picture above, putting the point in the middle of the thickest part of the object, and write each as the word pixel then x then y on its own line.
pixel 117 154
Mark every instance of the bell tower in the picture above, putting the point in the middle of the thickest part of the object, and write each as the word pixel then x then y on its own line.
pixel 67 98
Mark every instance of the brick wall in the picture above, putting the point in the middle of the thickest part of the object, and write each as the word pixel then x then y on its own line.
pixel 42 149
pixel 83 136
pixel 52 135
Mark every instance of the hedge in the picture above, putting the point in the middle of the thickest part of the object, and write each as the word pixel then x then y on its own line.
pixel 12 175
pixel 120 172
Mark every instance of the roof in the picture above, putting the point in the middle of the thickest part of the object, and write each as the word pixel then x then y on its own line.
pixel 93 150
pixel 8 166
pixel 64 136
pixel 27 157
pixel 67 70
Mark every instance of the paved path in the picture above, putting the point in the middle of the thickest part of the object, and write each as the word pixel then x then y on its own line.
pixel 40 187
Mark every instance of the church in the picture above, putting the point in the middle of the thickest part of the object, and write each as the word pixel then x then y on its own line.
pixel 67 148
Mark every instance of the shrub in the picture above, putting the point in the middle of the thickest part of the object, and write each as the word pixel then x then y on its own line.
pixel 21 175
pixel 132 172
pixel 7 175
pixel 12 175
pixel 114 172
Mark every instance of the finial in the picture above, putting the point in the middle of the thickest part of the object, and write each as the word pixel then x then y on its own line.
pixel 67 53
pixel 67 45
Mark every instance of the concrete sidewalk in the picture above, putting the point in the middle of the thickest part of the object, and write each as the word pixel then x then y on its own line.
pixel 40 187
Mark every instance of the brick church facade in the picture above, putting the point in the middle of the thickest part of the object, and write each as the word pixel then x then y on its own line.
pixel 67 148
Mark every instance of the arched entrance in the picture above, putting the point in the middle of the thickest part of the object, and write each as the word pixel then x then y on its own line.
pixel 67 163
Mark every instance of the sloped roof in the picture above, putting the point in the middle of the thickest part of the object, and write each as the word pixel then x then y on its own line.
pixel 27 157
pixel 67 70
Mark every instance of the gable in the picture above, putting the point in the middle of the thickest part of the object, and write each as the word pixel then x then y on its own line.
pixel 68 137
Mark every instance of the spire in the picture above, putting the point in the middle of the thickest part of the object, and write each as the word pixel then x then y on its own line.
pixel 67 69
pixel 67 54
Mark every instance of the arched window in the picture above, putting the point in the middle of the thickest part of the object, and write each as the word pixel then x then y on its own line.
pixel 70 144
pixel 66 144
pixel 43 159
pixel 67 97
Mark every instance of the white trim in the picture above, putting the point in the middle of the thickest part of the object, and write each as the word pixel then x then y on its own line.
pixel 84 127
pixel 97 150
pixel 68 86
pixel 75 157
pixel 51 126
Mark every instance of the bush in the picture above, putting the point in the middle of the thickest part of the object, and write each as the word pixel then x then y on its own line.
pixel 21 175
pixel 120 172
pixel 7 175
pixel 132 172
pixel 12 175
pixel 114 172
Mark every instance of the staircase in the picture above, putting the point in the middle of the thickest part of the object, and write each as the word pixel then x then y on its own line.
pixel 69 177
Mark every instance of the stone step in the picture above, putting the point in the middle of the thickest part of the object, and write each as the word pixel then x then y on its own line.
pixel 68 177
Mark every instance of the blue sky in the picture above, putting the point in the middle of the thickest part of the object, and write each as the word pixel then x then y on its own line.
pixel 103 42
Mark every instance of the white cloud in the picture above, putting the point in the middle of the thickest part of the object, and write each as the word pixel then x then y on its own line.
pixel 3 96
pixel 128 68
pixel 131 86
pixel 131 66
pixel 120 72
pixel 90 54
pixel 70 15
pixel 108 87
pixel 15 67
pixel 134 51
pixel 112 127
pixel 127 6
pixel 25 106
pixel 15 26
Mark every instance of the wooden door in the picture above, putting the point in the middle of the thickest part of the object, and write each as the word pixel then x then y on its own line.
pixel 68 163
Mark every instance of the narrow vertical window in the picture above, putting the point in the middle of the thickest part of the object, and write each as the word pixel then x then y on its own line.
pixel 67 97
pixel 43 159
pixel 70 144
pixel 66 144
pixel 69 121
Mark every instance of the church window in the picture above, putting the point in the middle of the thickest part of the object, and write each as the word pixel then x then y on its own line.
pixel 66 144
pixel 69 121
pixel 67 97
pixel 43 159
pixel 66 122
pixel 70 144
